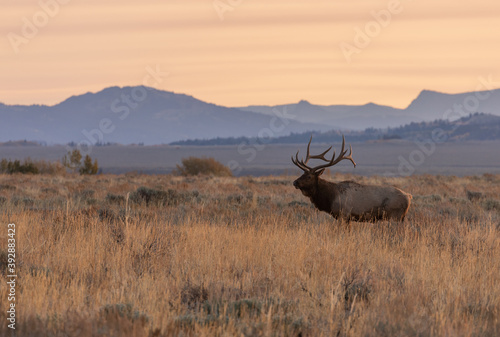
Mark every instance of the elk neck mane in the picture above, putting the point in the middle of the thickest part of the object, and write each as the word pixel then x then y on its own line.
pixel 323 194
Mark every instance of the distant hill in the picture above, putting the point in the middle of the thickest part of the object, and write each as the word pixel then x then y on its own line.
pixel 431 105
pixel 478 126
pixel 135 115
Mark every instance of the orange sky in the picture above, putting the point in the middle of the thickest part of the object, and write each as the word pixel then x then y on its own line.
pixel 260 52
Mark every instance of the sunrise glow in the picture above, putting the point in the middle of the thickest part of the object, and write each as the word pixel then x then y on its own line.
pixel 238 53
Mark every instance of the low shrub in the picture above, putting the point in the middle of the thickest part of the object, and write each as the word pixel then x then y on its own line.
pixel 123 311
pixel 194 166
pixel 491 205
pixel 115 199
pixel 30 166
pixel 150 196
pixel 23 201
pixel 472 195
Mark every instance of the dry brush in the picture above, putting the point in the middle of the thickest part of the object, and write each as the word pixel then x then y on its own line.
pixel 247 256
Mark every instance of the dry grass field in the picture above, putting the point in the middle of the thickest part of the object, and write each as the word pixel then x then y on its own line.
pixel 209 256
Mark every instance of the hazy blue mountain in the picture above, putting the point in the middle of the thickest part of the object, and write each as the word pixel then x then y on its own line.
pixel 302 111
pixel 137 115
pixel 428 106
pixel 353 117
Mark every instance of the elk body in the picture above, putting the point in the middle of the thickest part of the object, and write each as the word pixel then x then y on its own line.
pixel 349 200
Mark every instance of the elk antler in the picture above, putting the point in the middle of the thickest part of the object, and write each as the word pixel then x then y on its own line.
pixel 303 164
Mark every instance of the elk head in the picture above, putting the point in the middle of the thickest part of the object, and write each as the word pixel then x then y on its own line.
pixel 308 182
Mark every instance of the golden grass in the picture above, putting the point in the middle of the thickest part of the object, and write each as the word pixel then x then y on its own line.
pixel 248 257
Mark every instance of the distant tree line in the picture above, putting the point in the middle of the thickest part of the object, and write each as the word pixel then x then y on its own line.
pixel 9 166
pixel 73 161
pixel 98 144
pixel 487 127
pixel 293 138
pixel 29 166
pixel 23 143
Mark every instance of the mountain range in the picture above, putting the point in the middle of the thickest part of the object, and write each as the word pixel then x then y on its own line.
pixel 473 127
pixel 145 115
pixel 428 106
pixel 351 117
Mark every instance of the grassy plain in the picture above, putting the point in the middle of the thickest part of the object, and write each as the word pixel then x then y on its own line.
pixel 373 158
pixel 209 256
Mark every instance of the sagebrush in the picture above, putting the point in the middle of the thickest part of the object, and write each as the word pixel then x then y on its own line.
pixel 223 256
pixel 194 166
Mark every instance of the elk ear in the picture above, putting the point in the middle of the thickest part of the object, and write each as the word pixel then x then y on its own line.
pixel 320 172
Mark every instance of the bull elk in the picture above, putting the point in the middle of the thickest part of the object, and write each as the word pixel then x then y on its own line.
pixel 349 200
